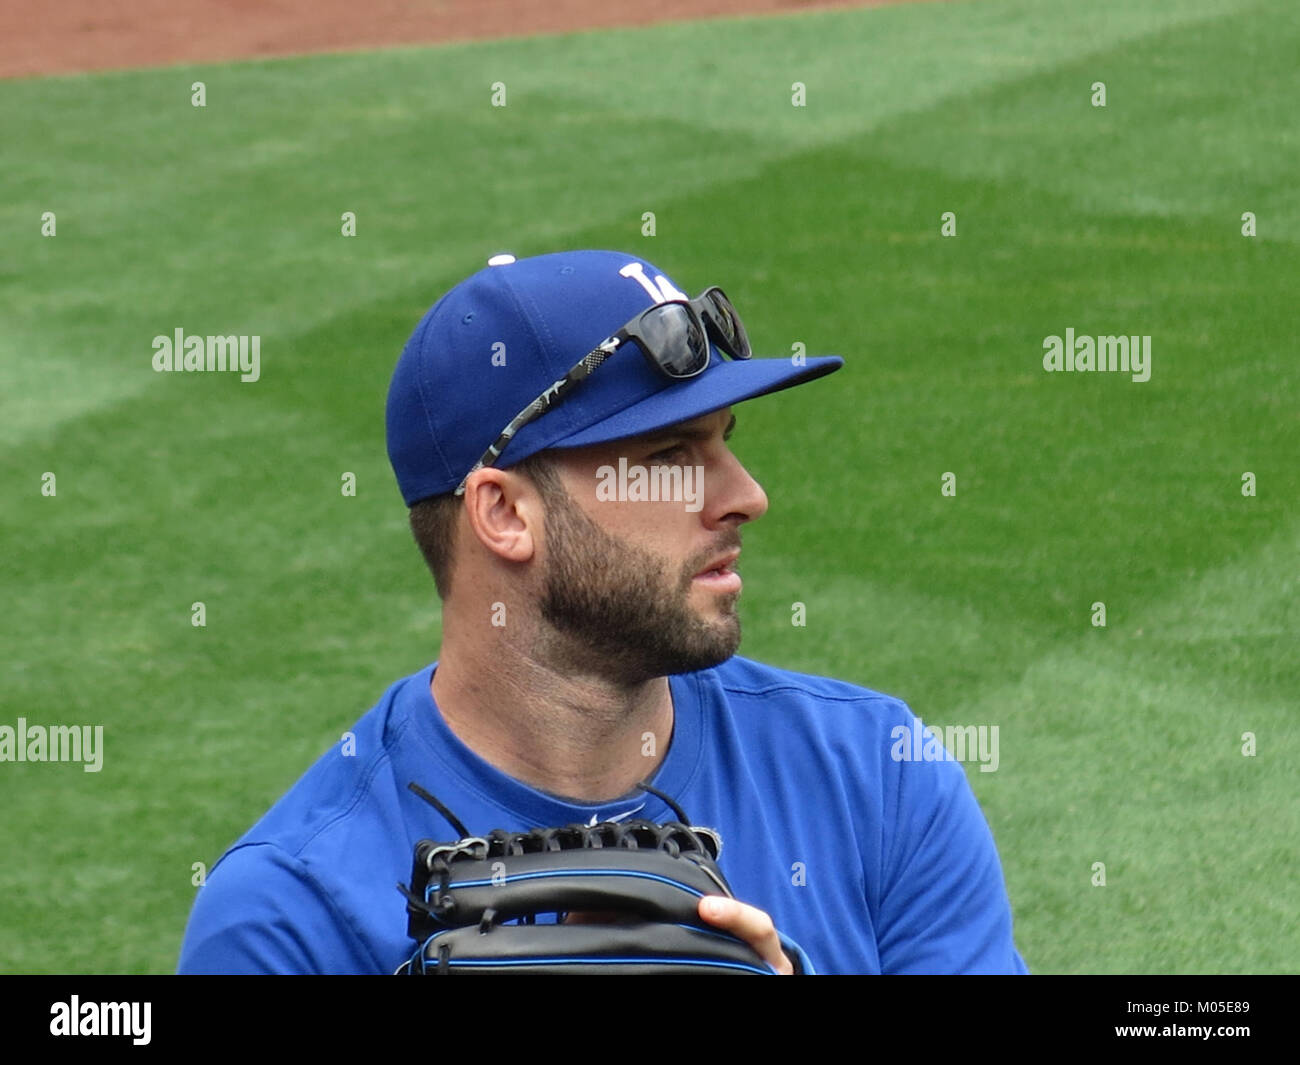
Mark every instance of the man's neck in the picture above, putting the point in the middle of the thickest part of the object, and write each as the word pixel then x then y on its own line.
pixel 579 736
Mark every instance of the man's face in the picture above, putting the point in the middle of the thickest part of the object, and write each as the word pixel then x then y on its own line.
pixel 624 579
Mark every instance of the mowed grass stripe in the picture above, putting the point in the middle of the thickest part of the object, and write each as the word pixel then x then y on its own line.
pixel 1126 747
pixel 1197 123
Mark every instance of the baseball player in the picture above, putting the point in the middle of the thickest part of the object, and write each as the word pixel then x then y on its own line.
pixel 535 420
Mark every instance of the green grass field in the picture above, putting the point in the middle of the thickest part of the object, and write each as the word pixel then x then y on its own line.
pixel 1120 745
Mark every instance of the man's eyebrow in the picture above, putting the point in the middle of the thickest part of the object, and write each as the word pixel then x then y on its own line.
pixel 677 432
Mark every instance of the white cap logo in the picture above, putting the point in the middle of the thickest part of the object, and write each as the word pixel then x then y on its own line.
pixel 501 260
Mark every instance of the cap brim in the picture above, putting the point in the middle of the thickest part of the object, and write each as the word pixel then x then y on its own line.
pixel 731 381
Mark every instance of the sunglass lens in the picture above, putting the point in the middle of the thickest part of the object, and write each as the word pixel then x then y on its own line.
pixel 676 339
pixel 728 322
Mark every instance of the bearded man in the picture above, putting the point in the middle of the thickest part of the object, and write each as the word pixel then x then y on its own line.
pixel 588 668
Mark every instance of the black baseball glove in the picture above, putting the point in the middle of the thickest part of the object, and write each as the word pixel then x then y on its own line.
pixel 500 904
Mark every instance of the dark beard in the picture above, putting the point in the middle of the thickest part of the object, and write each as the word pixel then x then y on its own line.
pixel 625 615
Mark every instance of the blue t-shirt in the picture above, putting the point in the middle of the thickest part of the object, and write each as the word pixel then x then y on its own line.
pixel 871 864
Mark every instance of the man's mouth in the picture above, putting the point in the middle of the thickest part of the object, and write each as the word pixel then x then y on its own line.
pixel 720 575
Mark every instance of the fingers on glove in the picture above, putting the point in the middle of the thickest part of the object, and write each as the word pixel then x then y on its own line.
pixel 749 923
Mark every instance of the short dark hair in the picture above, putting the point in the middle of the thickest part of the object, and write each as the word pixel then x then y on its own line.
pixel 433 520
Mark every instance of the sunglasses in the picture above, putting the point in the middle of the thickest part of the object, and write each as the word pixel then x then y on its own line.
pixel 674 338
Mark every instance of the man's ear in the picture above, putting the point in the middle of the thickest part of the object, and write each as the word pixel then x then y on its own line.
pixel 504 512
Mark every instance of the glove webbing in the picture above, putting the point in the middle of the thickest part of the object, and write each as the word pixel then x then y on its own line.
pixel 673 837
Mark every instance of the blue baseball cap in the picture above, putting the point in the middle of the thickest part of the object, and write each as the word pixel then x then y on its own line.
pixel 496 341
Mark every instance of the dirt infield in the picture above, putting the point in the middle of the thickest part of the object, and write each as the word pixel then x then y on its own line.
pixel 80 35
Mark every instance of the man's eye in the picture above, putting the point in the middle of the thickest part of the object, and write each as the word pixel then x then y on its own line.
pixel 668 452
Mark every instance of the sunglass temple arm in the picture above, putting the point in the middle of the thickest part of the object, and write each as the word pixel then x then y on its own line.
pixel 552 397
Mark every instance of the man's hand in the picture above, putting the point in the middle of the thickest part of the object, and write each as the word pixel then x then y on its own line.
pixel 743 921
pixel 749 923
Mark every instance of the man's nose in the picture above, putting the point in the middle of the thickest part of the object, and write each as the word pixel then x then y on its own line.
pixel 738 494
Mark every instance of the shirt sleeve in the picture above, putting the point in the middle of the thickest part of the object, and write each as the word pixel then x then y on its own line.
pixel 260 912
pixel 943 904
